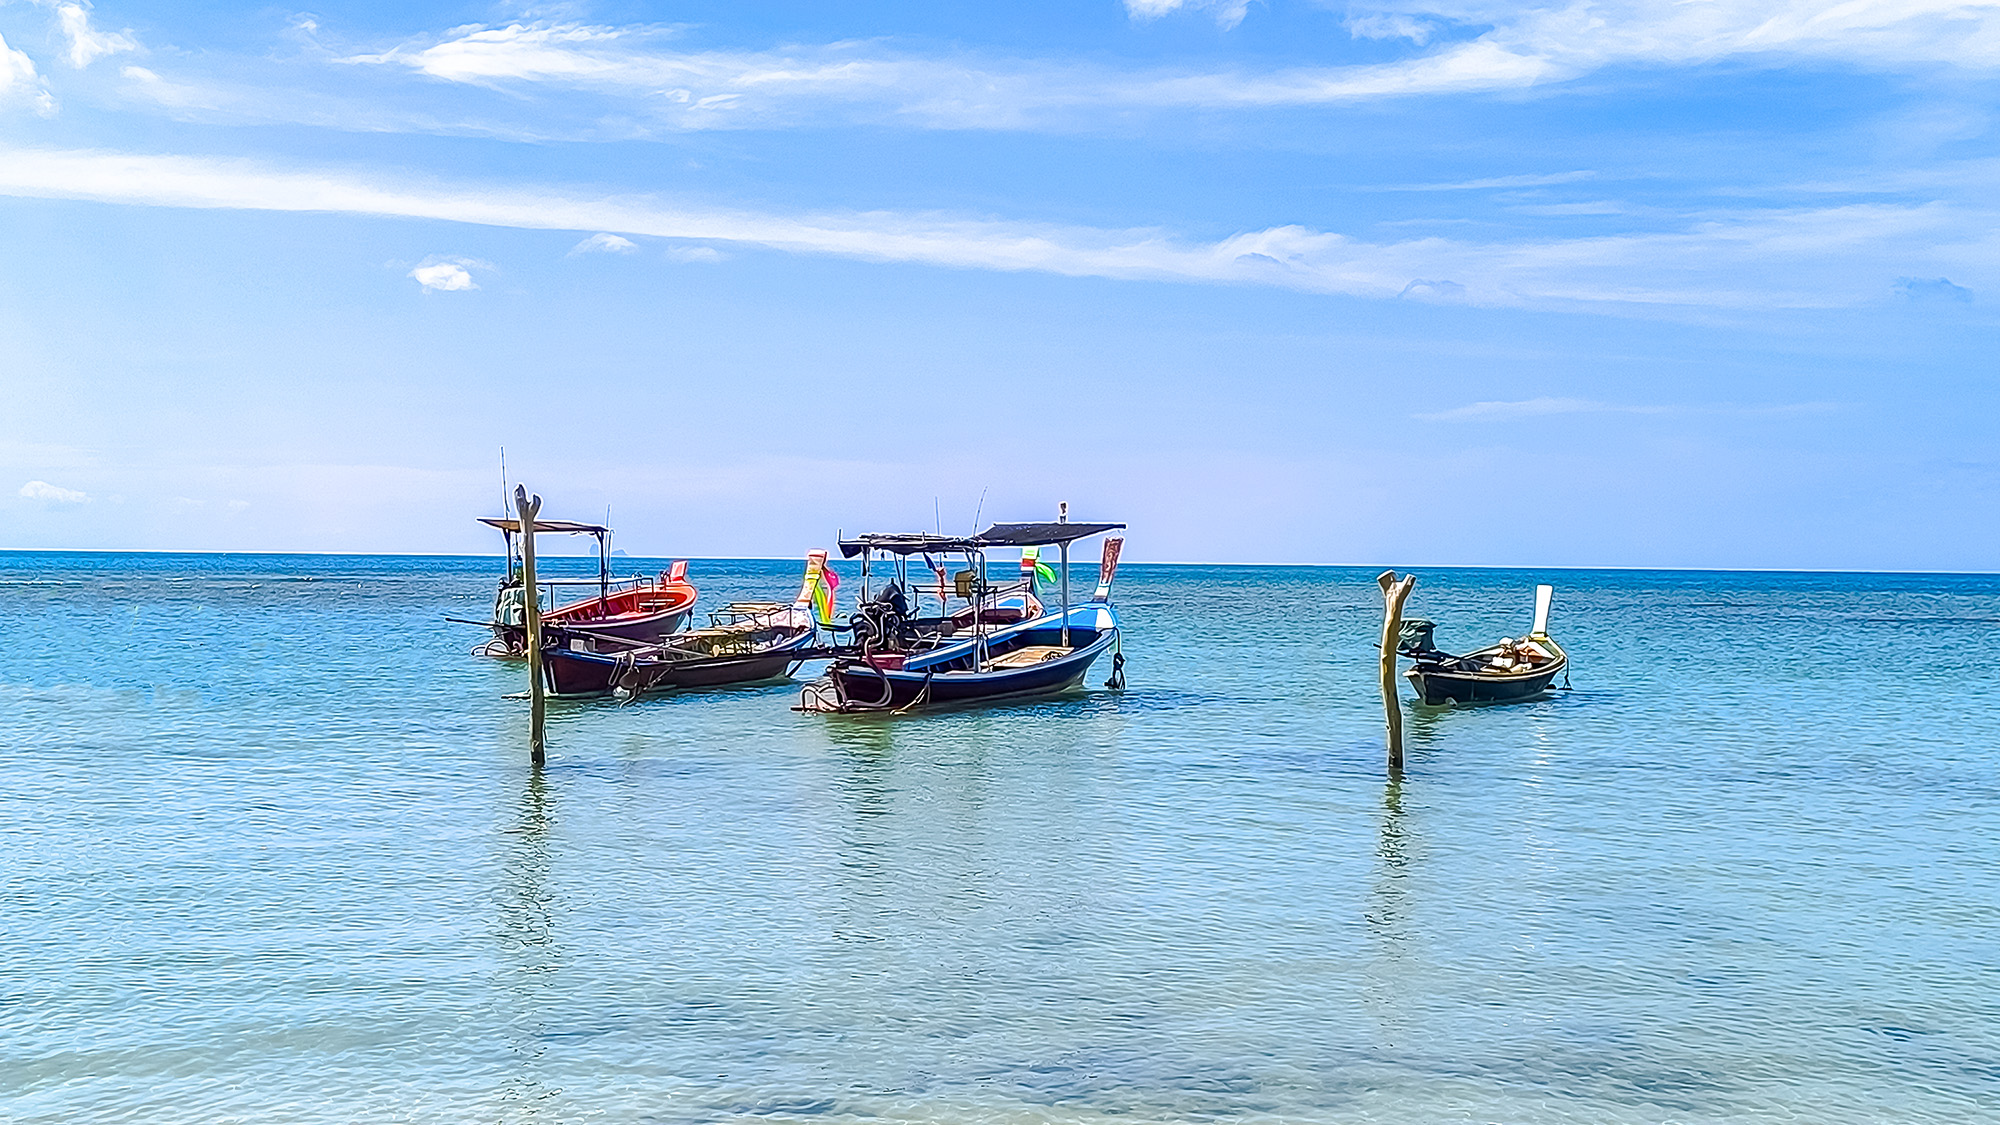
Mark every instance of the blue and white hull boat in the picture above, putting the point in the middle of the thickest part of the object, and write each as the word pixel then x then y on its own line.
pixel 1004 645
pixel 1022 660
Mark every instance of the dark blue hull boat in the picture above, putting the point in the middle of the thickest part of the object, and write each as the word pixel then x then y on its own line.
pixel 1018 663
pixel 581 672
pixel 896 662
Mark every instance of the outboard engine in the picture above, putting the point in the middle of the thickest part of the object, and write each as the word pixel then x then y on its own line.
pixel 1415 639
pixel 880 624
pixel 510 605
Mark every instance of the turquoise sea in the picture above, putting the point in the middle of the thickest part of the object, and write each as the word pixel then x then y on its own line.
pixel 276 854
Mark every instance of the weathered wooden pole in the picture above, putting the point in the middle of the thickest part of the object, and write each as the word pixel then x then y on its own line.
pixel 1394 592
pixel 526 507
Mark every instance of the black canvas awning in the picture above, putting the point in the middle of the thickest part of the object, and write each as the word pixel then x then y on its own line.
pixel 1041 534
pixel 910 543
pixel 999 535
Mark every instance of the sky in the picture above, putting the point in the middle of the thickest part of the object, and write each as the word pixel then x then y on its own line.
pixel 1646 283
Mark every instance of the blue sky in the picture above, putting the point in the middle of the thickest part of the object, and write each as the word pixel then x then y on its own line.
pixel 1641 283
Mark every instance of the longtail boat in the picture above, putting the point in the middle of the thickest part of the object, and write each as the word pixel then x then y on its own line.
pixel 639 609
pixel 1513 670
pixel 744 643
pixel 1002 644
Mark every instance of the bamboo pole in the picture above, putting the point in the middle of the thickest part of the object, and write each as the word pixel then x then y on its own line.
pixel 1394 593
pixel 527 507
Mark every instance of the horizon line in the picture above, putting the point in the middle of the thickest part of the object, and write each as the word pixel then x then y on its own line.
pixel 1128 562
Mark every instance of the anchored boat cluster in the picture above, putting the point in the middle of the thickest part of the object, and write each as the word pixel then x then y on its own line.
pixel 931 627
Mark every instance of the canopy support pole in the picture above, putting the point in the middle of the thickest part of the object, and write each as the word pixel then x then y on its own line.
pixel 975 561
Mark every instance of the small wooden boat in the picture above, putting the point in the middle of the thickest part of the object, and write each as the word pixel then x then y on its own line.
pixel 1507 672
pixel 745 643
pixel 638 609
pixel 1002 645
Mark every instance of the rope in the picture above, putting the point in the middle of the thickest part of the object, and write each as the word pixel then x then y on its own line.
pixel 923 695
pixel 1117 680
pixel 499 648
pixel 625 675
pixel 888 688
pixel 813 697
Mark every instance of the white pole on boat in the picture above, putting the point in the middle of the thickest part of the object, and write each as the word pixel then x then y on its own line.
pixel 1062 516
pixel 527 506
pixel 1543 596
pixel 1394 593
pixel 604 567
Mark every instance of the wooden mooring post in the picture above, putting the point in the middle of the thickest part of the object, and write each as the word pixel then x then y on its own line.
pixel 1395 592
pixel 526 507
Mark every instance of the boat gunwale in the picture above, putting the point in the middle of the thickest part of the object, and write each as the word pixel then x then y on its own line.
pixel 1560 662
pixel 972 676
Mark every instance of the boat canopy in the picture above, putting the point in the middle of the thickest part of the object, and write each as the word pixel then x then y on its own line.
pixel 555 527
pixel 1040 534
pixel 906 543
pixel 999 535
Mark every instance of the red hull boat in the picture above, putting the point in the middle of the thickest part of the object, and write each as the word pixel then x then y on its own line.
pixel 643 610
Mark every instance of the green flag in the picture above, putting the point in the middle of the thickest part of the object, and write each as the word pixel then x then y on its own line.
pixel 1031 561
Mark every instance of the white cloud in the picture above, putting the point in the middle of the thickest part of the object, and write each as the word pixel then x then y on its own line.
pixel 1537 407
pixel 601 243
pixel 702 254
pixel 1494 182
pixel 51 495
pixel 1574 37
pixel 1228 13
pixel 1526 408
pixel 705 89
pixel 86 43
pixel 681 89
pixel 1469 46
pixel 643 81
pixel 443 277
pixel 1931 289
pixel 1435 290
pixel 1391 25
pixel 1804 257
pixel 19 81
pixel 171 94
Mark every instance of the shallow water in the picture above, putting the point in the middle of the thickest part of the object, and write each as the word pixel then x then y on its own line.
pixel 278 856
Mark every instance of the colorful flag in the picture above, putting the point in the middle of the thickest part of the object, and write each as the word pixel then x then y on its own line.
pixel 1032 567
pixel 823 595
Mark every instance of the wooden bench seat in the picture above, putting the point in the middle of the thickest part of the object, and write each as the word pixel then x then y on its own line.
pixel 1026 655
